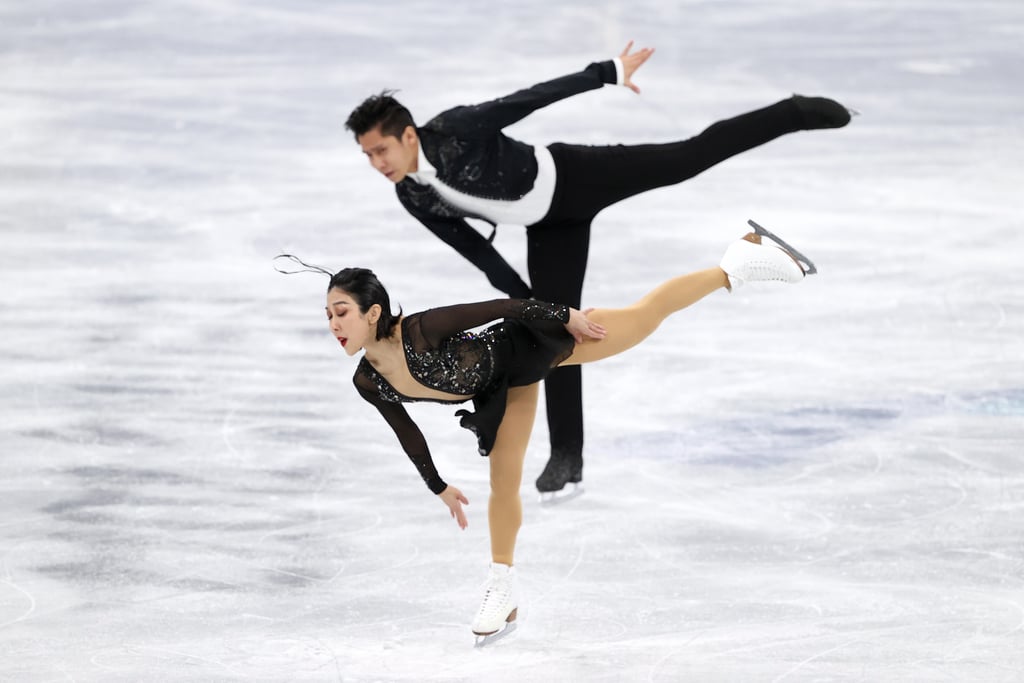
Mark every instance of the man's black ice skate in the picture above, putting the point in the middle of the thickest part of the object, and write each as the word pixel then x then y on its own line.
pixel 820 112
pixel 562 479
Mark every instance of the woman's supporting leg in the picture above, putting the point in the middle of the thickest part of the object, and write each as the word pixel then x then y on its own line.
pixel 627 327
pixel 504 509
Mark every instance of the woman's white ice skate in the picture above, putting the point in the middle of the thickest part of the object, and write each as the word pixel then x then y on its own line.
pixel 497 615
pixel 748 260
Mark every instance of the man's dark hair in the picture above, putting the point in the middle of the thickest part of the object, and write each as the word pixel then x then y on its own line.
pixel 380 110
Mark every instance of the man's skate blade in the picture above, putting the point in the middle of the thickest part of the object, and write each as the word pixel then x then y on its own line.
pixel 484 641
pixel 805 263
pixel 563 495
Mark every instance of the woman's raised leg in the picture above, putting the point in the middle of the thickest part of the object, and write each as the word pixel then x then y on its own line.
pixel 627 327
pixel 746 260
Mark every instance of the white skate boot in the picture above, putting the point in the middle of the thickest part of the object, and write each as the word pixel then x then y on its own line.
pixel 748 260
pixel 497 615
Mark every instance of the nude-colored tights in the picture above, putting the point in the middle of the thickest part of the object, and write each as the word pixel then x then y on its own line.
pixel 626 327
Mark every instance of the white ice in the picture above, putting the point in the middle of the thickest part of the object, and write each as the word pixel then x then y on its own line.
pixel 821 482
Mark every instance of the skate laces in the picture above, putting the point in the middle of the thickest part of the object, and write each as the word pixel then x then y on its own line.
pixel 764 269
pixel 758 262
pixel 498 598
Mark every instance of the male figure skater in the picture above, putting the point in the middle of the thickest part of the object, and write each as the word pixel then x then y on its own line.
pixel 461 165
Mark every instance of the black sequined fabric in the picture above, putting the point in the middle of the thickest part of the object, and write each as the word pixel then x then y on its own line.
pixel 443 355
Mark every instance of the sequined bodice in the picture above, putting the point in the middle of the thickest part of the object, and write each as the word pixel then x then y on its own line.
pixel 462 364
pixel 443 358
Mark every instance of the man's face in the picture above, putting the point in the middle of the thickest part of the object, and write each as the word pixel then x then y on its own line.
pixel 394 157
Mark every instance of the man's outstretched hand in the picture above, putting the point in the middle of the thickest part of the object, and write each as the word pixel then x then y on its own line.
pixel 632 62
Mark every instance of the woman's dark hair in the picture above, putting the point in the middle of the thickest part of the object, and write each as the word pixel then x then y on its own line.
pixel 380 110
pixel 361 283
pixel 367 290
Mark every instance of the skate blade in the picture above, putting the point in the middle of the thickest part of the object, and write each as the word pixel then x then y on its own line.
pixel 484 641
pixel 805 263
pixel 564 495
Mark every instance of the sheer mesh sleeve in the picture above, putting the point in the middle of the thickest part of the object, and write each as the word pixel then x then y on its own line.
pixel 408 433
pixel 440 323
pixel 477 249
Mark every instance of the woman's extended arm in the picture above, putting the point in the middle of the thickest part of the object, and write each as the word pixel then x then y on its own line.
pixel 415 446
pixel 439 323
pixel 408 433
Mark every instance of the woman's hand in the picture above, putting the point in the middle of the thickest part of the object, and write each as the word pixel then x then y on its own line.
pixel 580 327
pixel 453 498
pixel 632 62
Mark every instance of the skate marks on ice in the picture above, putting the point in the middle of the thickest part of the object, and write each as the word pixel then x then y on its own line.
pixel 883 533
pixel 149 544
pixel 175 500
pixel 1003 402
pixel 772 439
pixel 757 440
pixel 884 466
pixel 19 604
pixel 705 612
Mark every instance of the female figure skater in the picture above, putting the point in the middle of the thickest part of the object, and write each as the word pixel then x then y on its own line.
pixel 429 356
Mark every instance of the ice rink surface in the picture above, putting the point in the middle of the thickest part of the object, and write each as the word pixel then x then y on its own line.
pixel 815 483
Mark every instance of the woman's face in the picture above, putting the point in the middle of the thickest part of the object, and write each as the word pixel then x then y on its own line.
pixel 350 326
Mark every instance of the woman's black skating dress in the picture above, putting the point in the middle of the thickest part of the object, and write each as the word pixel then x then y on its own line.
pixel 443 355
